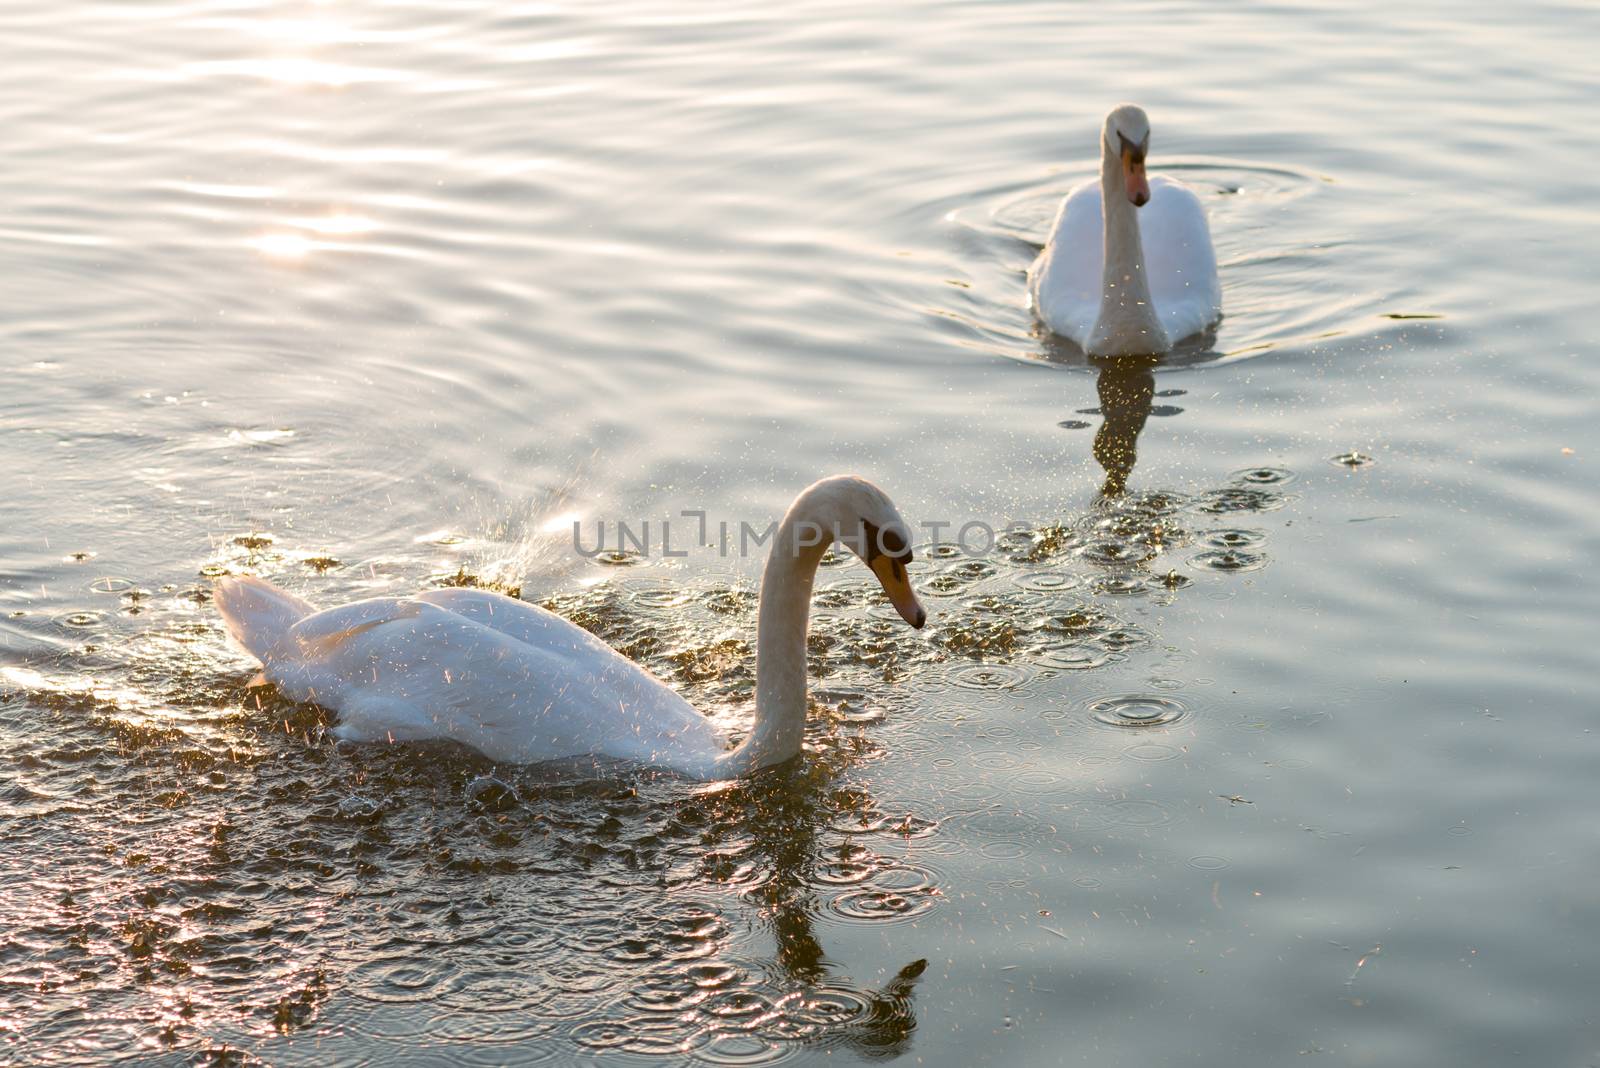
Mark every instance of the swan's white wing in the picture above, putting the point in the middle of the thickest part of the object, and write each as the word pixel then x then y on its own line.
pixel 1066 280
pixel 517 618
pixel 670 715
pixel 540 689
pixel 323 632
pixel 1179 259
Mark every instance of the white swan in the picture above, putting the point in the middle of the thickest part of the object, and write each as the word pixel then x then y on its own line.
pixel 1129 268
pixel 522 685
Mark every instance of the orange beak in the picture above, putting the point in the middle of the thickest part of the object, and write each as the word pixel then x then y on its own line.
pixel 892 575
pixel 1133 177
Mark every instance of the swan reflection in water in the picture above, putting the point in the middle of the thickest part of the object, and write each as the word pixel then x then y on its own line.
pixel 1127 390
pixel 652 902
pixel 785 820
pixel 782 846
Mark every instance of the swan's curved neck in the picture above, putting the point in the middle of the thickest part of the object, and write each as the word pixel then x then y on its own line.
pixel 781 626
pixel 1127 324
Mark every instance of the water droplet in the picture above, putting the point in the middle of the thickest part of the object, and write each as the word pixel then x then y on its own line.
pixel 1239 499
pixel 661 596
pixel 1139 812
pixel 1003 850
pixel 1234 538
pixel 1037 781
pixel 737 1049
pixel 405 978
pixel 1229 560
pixel 883 906
pixel 1048 581
pixel 713 976
pixel 81 620
pixel 1113 553
pixel 998 760
pixel 659 1037
pixel 1152 751
pixel 489 794
pixel 843 872
pixel 737 1009
pixel 988 677
pixel 358 809
pixel 1084 620
pixel 1136 710
pixel 1121 638
pixel 830 1007
pixel 730 602
pixel 1120 585
pixel 600 1034
pixel 1076 657
pixel 1264 476
pixel 667 995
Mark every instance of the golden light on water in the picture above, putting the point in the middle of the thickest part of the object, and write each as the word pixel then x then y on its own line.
pixel 122 699
pixel 283 246
pixel 25 678
pixel 300 242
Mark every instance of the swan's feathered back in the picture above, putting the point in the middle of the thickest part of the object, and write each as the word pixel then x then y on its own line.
pixel 508 678
pixel 1067 279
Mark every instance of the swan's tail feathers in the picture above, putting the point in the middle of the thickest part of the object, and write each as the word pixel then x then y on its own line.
pixel 257 613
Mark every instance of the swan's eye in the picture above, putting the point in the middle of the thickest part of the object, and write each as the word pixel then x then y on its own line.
pixel 882 541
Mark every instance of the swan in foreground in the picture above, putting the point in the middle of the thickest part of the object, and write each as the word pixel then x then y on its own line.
pixel 522 685
pixel 1129 268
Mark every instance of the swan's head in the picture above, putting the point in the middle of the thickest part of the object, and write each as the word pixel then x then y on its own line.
pixel 1127 137
pixel 861 516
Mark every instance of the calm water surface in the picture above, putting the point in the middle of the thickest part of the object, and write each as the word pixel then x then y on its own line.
pixel 1269 735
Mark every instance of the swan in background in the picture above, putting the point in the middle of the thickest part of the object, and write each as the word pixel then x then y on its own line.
pixel 1129 268
pixel 522 685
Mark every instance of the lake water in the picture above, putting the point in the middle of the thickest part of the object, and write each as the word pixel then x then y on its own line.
pixel 1285 749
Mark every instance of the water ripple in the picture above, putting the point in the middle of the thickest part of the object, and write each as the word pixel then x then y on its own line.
pixel 1229 560
pixel 1137 711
